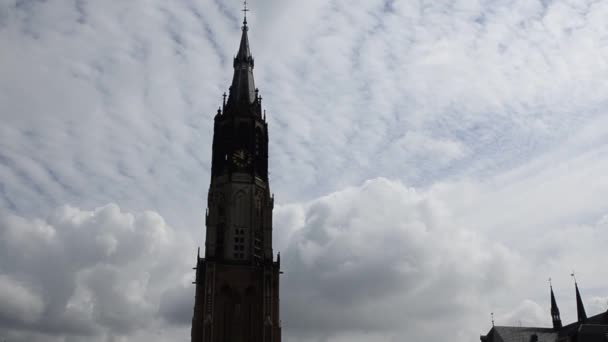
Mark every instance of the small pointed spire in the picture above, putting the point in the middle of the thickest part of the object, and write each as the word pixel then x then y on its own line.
pixel 242 90
pixel 555 316
pixel 244 51
pixel 580 308
pixel 492 314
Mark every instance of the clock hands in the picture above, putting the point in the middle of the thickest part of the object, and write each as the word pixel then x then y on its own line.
pixel 240 158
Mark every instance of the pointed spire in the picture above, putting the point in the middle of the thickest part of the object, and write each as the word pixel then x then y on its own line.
pixel 244 53
pixel 555 316
pixel 242 90
pixel 580 308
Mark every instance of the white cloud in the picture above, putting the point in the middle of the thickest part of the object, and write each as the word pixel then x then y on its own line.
pixel 89 274
pixel 17 302
pixel 528 313
pixel 493 114
pixel 383 259
pixel 380 261
pixel 404 90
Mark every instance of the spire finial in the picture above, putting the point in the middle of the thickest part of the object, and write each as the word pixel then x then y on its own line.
pixel 573 276
pixel 550 283
pixel 492 314
pixel 245 10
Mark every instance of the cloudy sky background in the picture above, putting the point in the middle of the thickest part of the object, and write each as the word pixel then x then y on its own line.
pixel 432 161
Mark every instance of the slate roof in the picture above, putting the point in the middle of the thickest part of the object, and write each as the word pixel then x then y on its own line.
pixel 593 333
pixel 574 328
pixel 593 329
pixel 521 334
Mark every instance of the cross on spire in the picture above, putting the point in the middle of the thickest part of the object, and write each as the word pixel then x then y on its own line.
pixel 245 10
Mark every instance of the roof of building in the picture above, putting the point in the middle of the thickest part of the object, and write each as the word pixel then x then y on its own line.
pixel 521 334
pixel 593 333
pixel 573 328
pixel 593 329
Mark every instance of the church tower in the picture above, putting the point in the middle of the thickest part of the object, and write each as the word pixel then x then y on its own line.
pixel 237 280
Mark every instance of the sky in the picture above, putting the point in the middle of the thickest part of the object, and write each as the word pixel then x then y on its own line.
pixel 432 162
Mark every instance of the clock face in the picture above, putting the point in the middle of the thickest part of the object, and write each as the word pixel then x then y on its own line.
pixel 241 158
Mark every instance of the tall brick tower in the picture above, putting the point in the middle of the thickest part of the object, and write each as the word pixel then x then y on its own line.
pixel 237 280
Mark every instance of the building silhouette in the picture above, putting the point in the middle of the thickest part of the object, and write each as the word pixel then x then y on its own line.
pixel 237 280
pixel 585 329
